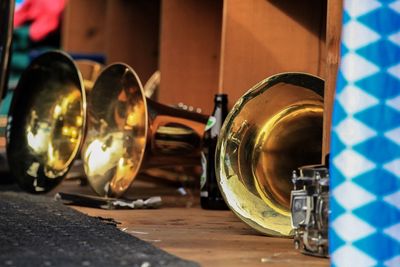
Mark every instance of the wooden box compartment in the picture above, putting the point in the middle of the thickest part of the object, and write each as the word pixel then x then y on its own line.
pixel 201 47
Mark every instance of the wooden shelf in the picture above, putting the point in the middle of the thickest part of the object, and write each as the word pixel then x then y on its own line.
pixel 122 31
pixel 201 48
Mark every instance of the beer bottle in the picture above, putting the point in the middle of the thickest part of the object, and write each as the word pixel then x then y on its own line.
pixel 210 196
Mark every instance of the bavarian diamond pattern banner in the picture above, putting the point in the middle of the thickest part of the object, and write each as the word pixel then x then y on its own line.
pixel 365 141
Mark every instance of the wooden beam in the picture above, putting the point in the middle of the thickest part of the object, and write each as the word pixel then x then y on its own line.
pixel 333 33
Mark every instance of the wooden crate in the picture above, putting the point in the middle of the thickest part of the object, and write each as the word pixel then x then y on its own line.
pixel 210 46
pixel 201 48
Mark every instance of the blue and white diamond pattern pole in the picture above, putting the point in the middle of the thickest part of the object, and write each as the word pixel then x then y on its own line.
pixel 365 141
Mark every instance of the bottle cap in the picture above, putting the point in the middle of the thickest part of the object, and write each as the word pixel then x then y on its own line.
pixel 221 98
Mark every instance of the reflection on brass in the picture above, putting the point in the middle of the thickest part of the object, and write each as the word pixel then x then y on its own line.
pixel 46 122
pixel 272 129
pixel 152 87
pixel 127 132
pixel 89 70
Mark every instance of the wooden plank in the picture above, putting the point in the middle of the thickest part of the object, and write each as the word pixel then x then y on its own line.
pixel 262 38
pixel 333 33
pixel 211 238
pixel 132 34
pixel 189 59
pixel 83 26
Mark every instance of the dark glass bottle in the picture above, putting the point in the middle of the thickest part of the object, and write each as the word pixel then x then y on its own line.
pixel 210 196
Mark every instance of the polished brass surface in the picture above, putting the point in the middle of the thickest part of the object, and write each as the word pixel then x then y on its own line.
pixel 89 70
pixel 46 122
pixel 152 87
pixel 272 129
pixel 128 132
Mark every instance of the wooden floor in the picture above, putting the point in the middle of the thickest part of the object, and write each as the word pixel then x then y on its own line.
pixel 211 238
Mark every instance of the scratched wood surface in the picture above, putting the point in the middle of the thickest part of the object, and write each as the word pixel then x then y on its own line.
pixel 211 238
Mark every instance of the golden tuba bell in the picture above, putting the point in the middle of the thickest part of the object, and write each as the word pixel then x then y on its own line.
pixel 128 133
pixel 272 130
pixel 46 122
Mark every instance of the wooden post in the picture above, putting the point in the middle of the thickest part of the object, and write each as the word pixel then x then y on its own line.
pixel 333 33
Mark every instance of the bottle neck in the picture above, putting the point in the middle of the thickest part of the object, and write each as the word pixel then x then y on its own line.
pixel 221 99
pixel 219 113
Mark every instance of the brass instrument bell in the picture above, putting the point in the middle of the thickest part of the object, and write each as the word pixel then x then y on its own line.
pixel 272 129
pixel 128 133
pixel 46 122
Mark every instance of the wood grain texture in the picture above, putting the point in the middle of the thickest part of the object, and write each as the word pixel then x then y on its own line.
pixel 190 45
pixel 199 50
pixel 333 33
pixel 132 34
pixel 83 26
pixel 266 37
pixel 211 238
pixel 123 31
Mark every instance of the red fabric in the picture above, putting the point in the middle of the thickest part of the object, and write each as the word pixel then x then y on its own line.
pixel 44 15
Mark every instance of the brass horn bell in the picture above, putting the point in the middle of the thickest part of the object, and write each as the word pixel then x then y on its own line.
pixel 128 133
pixel 272 130
pixel 46 122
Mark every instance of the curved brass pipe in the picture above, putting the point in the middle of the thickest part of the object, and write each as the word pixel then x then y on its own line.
pixel 272 130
